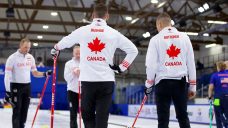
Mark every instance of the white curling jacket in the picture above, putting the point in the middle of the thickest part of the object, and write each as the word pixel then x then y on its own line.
pixel 170 56
pixel 69 76
pixel 17 69
pixel 98 43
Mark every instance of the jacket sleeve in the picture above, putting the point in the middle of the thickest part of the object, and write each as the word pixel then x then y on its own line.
pixel 68 73
pixel 191 66
pixel 8 73
pixel 130 49
pixel 151 61
pixel 33 68
pixel 69 41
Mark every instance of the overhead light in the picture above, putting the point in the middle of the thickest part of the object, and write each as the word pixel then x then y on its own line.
pixel 147 34
pixel 192 33
pixel 45 26
pixel 210 45
pixel 206 6
pixel 128 18
pixel 172 22
pixel 154 1
pixel 135 20
pixel 35 44
pixel 205 34
pixel 216 22
pixel 161 4
pixel 54 13
pixel 39 37
pixel 201 9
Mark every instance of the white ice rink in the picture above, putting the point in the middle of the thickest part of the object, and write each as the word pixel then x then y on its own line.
pixel 61 120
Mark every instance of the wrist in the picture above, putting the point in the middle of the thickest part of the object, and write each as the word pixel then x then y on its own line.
pixel 148 83
pixel 122 68
pixel 192 88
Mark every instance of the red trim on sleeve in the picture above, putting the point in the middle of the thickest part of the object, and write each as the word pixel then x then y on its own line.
pixel 125 64
pixel 9 68
pixel 150 82
pixel 192 82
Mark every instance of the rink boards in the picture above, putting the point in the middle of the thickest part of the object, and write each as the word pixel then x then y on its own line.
pixel 197 113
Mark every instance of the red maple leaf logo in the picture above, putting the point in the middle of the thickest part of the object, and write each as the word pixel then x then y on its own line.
pixel 173 51
pixel 96 45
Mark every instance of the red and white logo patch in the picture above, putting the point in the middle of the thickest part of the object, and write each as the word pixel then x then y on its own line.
pixel 173 51
pixel 96 45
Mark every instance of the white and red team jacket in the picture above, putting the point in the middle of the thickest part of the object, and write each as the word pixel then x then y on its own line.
pixel 17 69
pixel 98 43
pixel 170 56
pixel 69 76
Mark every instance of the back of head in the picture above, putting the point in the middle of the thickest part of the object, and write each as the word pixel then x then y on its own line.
pixel 100 10
pixel 39 59
pixel 221 66
pixel 163 20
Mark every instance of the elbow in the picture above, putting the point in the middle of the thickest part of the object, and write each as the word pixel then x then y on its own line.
pixel 136 51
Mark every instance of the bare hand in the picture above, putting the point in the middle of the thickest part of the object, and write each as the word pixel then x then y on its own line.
pixel 77 72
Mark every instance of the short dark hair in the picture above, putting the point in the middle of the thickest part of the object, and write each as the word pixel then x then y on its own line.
pixel 100 10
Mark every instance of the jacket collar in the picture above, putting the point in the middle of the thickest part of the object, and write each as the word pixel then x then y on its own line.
pixel 20 54
pixel 168 29
pixel 99 22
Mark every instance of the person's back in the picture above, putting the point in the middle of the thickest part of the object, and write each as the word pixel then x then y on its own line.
pixel 220 82
pixel 98 42
pixel 173 53
pixel 169 65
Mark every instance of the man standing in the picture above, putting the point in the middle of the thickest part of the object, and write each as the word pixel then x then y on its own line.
pixel 17 81
pixel 71 74
pixel 170 58
pixel 98 43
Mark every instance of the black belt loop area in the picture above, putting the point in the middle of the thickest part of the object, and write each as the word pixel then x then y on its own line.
pixel 22 84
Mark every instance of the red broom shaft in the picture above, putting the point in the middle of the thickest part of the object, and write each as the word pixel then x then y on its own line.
pixel 41 98
pixel 53 92
pixel 143 102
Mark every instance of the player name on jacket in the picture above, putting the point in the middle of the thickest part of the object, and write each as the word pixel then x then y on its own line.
pixel 97 30
pixel 95 58
pixel 173 63
pixel 171 37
